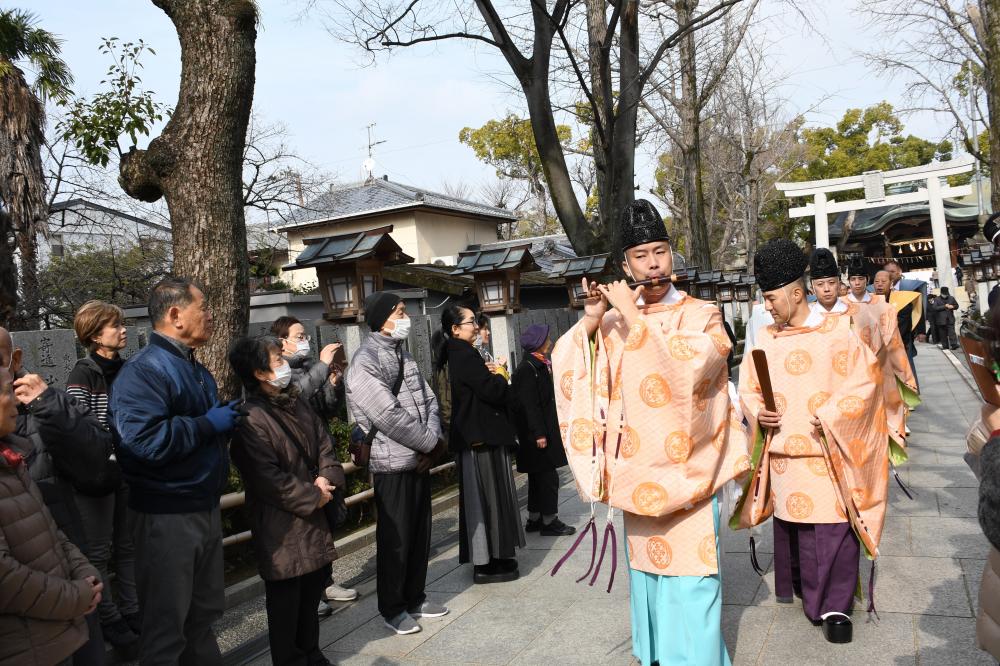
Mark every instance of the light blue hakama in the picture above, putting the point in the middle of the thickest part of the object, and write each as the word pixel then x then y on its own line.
pixel 677 620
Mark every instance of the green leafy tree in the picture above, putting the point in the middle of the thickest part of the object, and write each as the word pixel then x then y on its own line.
pixel 96 125
pixel 865 140
pixel 508 145
pixel 22 180
pixel 120 275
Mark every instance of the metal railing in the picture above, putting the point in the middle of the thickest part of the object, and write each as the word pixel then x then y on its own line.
pixel 233 500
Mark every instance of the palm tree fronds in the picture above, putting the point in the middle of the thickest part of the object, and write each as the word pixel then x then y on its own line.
pixel 22 40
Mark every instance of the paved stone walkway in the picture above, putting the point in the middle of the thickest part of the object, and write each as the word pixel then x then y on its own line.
pixel 926 586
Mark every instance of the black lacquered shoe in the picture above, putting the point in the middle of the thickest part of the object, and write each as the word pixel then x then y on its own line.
pixel 837 628
pixel 486 574
pixel 557 528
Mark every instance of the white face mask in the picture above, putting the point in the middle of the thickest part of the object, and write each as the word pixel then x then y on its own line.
pixel 302 348
pixel 401 329
pixel 282 376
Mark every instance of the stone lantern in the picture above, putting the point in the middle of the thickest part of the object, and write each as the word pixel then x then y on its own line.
pixel 706 286
pixel 349 268
pixel 572 271
pixel 497 274
pixel 744 289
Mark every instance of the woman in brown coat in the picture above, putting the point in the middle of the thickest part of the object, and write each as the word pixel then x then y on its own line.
pixel 291 535
pixel 46 585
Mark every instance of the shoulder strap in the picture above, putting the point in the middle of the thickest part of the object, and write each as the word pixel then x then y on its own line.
pixel 313 466
pixel 396 386
pixel 399 377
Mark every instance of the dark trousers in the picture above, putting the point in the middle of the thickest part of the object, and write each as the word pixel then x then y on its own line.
pixel 179 575
pixel 543 492
pixel 402 540
pixel 292 623
pixel 911 352
pixel 826 558
pixel 91 653
pixel 945 335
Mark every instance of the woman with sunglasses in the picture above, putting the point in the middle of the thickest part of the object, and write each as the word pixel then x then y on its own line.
pixel 483 441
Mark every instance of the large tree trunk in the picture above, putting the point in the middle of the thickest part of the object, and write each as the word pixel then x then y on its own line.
pixel 31 293
pixel 991 74
pixel 690 116
pixel 8 274
pixel 603 111
pixel 533 76
pixel 196 163
pixel 620 184
pixel 22 188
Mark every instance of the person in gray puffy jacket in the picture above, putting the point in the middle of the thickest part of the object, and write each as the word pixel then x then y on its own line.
pixel 408 438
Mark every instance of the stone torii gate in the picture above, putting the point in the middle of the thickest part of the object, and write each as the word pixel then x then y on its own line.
pixel 933 192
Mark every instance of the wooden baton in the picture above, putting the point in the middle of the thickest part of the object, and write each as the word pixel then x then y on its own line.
pixel 764 379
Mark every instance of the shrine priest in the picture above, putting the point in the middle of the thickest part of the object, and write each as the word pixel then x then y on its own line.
pixel 650 429
pixel 857 282
pixel 819 455
pixel 898 383
pixel 824 277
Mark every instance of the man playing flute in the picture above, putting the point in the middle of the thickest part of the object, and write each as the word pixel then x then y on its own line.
pixel 650 429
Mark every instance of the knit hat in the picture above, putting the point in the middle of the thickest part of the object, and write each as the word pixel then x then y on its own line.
pixel 378 307
pixel 778 263
pixel 533 337
pixel 856 268
pixel 822 264
pixel 991 229
pixel 641 224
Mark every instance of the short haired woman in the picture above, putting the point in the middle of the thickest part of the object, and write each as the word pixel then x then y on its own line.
pixel 318 380
pixel 276 448
pixel 100 328
pixel 483 441
pixel 320 383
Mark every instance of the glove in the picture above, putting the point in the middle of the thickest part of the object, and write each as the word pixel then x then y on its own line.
pixel 223 416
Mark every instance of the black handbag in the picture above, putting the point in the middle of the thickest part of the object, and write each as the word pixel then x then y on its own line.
pixel 336 509
pixel 360 447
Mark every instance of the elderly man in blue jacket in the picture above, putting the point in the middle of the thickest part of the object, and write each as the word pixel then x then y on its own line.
pixel 173 454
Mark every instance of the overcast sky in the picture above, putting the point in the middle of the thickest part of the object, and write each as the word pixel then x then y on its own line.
pixel 421 97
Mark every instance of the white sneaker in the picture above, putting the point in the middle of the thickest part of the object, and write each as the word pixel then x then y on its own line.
pixel 338 593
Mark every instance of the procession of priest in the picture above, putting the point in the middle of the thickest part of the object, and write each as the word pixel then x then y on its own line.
pixel 809 438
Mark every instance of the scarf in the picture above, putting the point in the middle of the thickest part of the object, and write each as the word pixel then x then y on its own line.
pixel 541 357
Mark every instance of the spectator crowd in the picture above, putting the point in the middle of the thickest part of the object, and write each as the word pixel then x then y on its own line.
pixel 110 524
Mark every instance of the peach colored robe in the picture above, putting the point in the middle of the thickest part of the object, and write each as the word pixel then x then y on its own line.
pixel 808 476
pixel 649 428
pixel 897 375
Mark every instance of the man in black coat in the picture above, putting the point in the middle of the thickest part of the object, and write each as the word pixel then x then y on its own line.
pixel 540 452
pixel 944 320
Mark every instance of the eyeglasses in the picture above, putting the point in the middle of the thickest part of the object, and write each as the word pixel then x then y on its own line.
pixel 300 338
pixel 471 321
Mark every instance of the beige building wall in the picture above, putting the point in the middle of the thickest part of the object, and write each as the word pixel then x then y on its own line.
pixel 423 235
pixel 441 235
